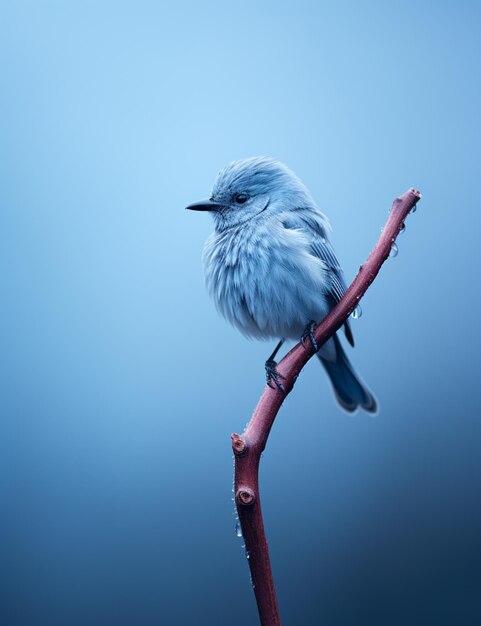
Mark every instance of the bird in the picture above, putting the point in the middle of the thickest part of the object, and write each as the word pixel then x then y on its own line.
pixel 272 271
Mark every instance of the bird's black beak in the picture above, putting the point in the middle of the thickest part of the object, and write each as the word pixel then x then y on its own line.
pixel 204 205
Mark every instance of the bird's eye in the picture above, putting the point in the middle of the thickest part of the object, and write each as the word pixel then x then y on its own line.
pixel 241 198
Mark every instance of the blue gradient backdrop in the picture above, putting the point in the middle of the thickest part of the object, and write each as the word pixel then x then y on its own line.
pixel 120 385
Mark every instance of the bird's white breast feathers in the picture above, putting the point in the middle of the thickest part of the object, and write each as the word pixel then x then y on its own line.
pixel 264 279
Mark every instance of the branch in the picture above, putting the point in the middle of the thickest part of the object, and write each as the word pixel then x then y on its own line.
pixel 249 446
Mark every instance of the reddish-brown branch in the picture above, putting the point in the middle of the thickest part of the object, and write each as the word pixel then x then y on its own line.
pixel 248 447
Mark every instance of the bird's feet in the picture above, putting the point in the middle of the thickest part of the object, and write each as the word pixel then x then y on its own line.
pixel 273 376
pixel 309 334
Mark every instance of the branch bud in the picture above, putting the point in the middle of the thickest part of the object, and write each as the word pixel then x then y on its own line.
pixel 245 496
pixel 238 444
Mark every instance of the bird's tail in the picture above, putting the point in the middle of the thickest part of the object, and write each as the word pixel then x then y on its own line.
pixel 349 389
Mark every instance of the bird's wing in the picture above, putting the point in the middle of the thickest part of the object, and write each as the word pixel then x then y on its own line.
pixel 316 226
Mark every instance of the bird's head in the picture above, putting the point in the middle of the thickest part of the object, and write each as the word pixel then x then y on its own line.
pixel 246 189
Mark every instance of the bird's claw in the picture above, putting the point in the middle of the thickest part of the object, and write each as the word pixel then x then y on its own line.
pixel 273 375
pixel 309 334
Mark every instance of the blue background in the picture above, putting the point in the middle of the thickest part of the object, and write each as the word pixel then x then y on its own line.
pixel 120 385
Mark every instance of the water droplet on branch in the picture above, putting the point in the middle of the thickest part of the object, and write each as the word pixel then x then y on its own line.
pixel 356 314
pixel 402 229
pixel 238 529
pixel 394 250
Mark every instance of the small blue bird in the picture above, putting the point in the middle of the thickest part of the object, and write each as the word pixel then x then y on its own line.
pixel 271 269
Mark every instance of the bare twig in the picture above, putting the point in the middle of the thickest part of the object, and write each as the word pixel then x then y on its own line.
pixel 249 446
